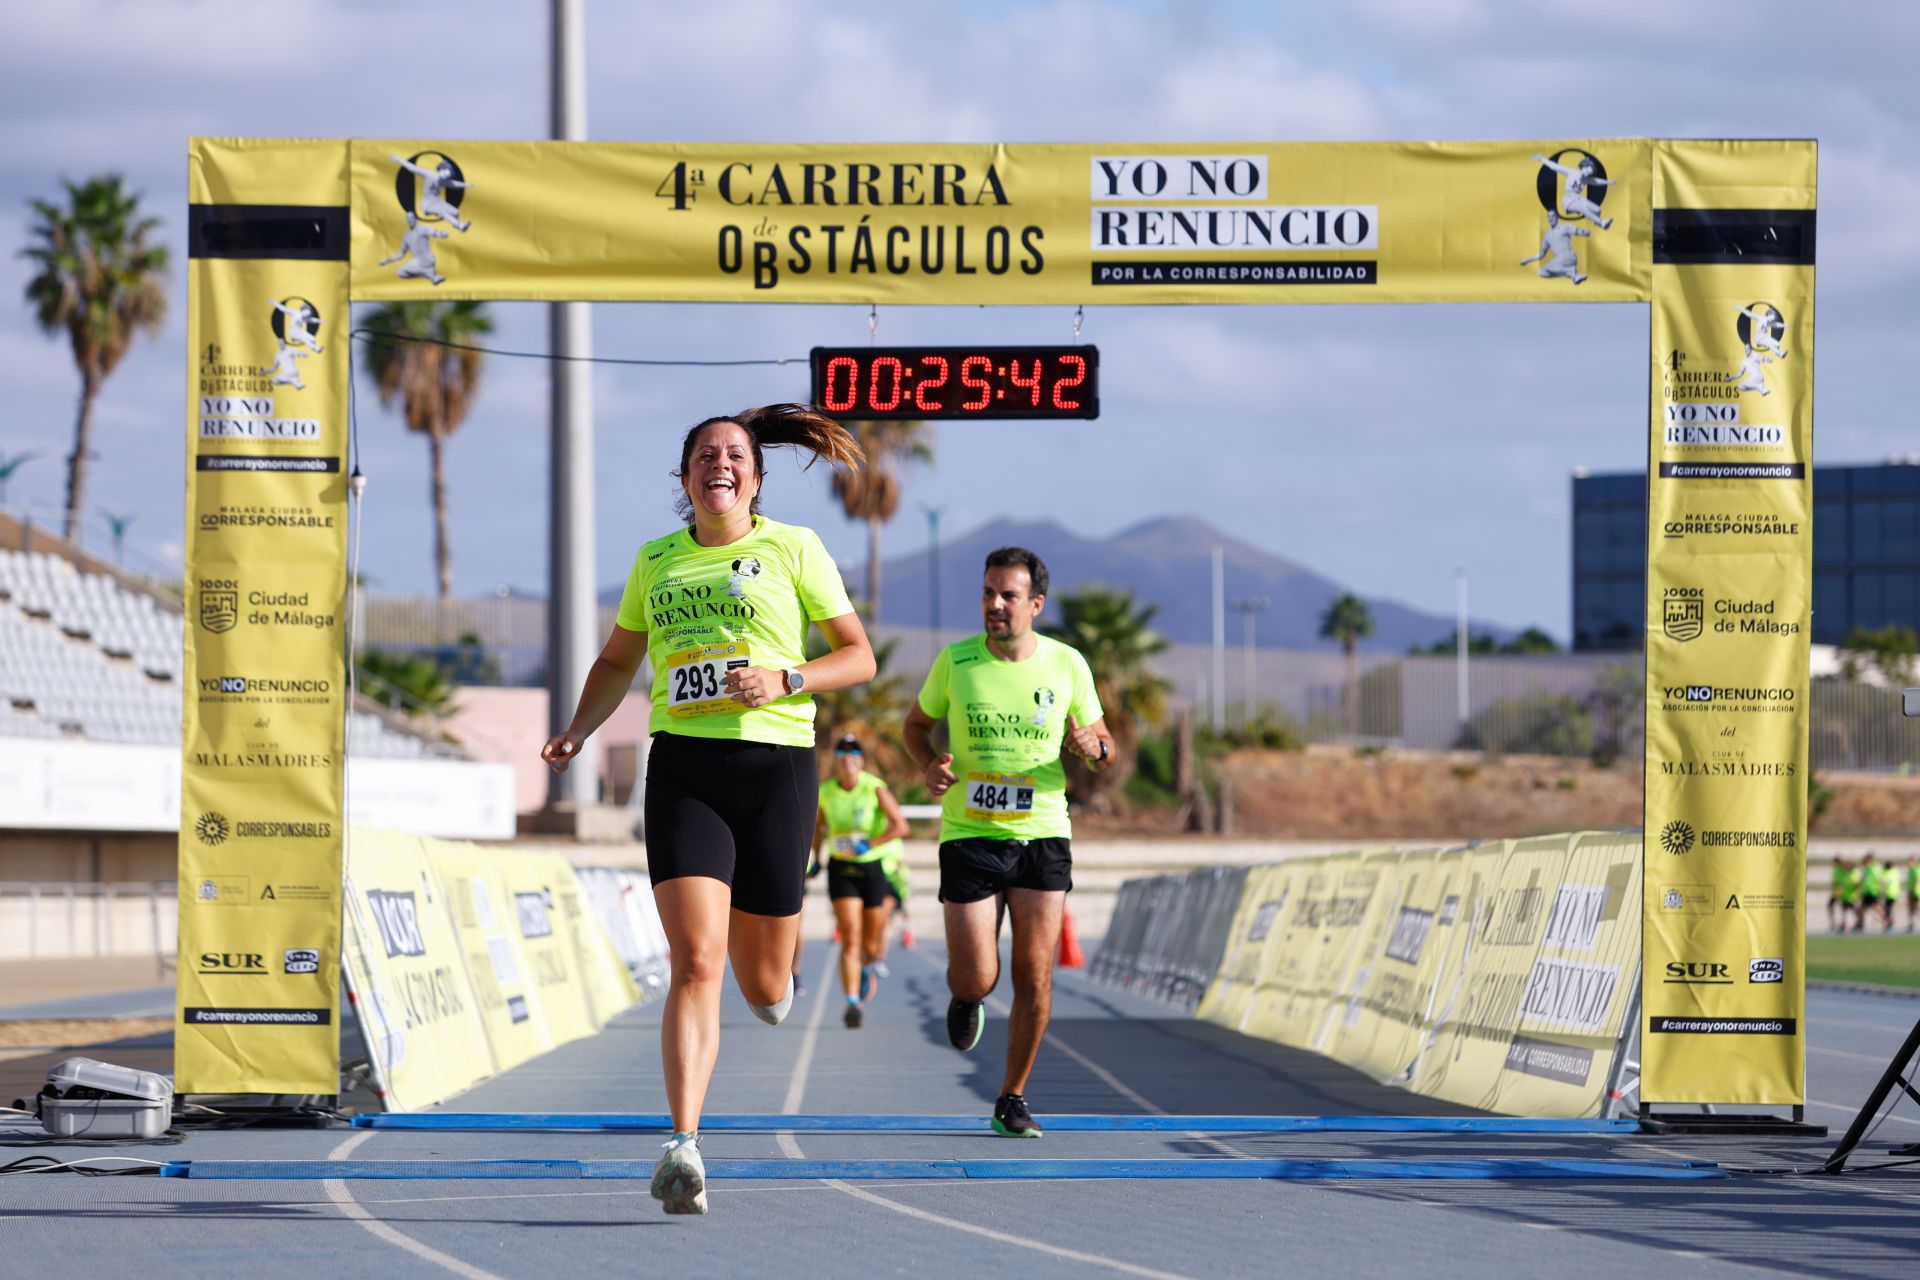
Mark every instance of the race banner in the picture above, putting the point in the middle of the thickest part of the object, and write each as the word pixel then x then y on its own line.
pixel 265 688
pixel 1553 220
pixel 1729 575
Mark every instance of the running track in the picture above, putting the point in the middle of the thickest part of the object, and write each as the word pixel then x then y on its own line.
pixel 1108 1053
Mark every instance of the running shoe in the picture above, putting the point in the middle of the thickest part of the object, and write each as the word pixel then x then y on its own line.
pixel 1012 1119
pixel 799 988
pixel 869 981
pixel 680 1179
pixel 880 969
pixel 966 1019
pixel 854 1016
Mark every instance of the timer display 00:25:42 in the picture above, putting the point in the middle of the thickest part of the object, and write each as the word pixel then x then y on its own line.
pixel 957 382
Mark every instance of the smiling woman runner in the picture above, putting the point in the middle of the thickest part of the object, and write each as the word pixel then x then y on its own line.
pixel 861 826
pixel 721 609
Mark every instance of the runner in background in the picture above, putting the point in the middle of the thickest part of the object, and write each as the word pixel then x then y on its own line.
pixel 1013 702
pixel 1851 889
pixel 859 827
pixel 721 609
pixel 1872 884
pixel 1842 874
pixel 1913 889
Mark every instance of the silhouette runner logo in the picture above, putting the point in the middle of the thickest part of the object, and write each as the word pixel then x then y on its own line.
pixel 430 187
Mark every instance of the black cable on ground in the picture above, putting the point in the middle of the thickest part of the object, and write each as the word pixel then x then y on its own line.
pixel 47 1164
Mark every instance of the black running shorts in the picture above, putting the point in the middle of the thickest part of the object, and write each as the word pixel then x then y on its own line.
pixel 977 868
pixel 740 812
pixel 862 880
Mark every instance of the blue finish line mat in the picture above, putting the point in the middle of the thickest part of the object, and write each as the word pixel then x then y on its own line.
pixel 914 1170
pixel 589 1122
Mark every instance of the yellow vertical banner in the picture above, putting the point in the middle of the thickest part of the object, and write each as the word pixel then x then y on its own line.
pixel 261 805
pixel 1729 571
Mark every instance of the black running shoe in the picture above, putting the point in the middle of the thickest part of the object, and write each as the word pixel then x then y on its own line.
pixel 853 1016
pixel 1012 1119
pixel 966 1019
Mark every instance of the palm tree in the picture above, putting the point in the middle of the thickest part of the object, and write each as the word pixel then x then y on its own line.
pixel 873 492
pixel 1116 638
pixel 1349 621
pixel 101 280
pixel 426 364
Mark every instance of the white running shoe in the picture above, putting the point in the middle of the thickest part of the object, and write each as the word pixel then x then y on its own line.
pixel 680 1179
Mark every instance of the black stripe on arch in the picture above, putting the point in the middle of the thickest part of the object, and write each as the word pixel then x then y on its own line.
pixel 1750 236
pixel 308 232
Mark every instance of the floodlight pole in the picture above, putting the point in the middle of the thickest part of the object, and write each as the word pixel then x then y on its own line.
pixel 571 612
pixel 1463 704
pixel 1219 699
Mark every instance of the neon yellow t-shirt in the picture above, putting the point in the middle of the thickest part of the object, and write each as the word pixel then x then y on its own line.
pixel 707 610
pixel 855 815
pixel 1005 724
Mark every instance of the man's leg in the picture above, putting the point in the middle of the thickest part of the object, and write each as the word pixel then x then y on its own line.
pixel 1036 941
pixel 973 948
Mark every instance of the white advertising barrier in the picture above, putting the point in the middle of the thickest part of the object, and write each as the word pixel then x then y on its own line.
pixel 464 961
pixel 85 786
pixel 93 786
pixel 623 901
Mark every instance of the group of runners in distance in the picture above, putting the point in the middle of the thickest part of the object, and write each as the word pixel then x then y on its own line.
pixel 1871 889
pixel 734 804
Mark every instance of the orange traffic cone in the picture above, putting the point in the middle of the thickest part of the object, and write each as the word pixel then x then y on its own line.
pixel 1071 956
pixel 906 931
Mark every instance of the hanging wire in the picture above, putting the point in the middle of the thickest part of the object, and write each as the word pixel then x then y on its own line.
pixel 873 324
pixel 379 338
pixel 1079 318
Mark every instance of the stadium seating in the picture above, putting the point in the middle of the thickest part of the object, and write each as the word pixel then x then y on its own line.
pixel 84 657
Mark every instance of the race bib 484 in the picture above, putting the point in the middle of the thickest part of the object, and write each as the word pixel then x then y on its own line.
pixel 997 797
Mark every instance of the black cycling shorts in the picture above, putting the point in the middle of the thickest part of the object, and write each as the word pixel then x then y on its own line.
pixel 976 868
pixel 862 880
pixel 740 812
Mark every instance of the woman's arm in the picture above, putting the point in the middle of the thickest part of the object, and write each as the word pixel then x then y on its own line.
pixel 608 680
pixel 850 663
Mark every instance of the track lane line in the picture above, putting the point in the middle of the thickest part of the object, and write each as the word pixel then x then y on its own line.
pixel 790 1147
pixel 355 1212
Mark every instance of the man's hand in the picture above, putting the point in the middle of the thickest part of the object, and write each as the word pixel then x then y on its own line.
pixel 1082 741
pixel 940 775
pixel 754 686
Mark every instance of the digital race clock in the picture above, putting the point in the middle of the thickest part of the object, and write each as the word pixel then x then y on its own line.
pixel 957 382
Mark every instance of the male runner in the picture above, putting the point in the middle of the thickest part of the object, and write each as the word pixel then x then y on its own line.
pixel 1012 701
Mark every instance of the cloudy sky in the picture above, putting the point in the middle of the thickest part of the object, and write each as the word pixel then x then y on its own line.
pixel 1380 445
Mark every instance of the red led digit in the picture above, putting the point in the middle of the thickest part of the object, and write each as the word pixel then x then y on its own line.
pixel 1079 363
pixel 884 401
pixel 967 380
pixel 920 400
pixel 852 367
pixel 1031 384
